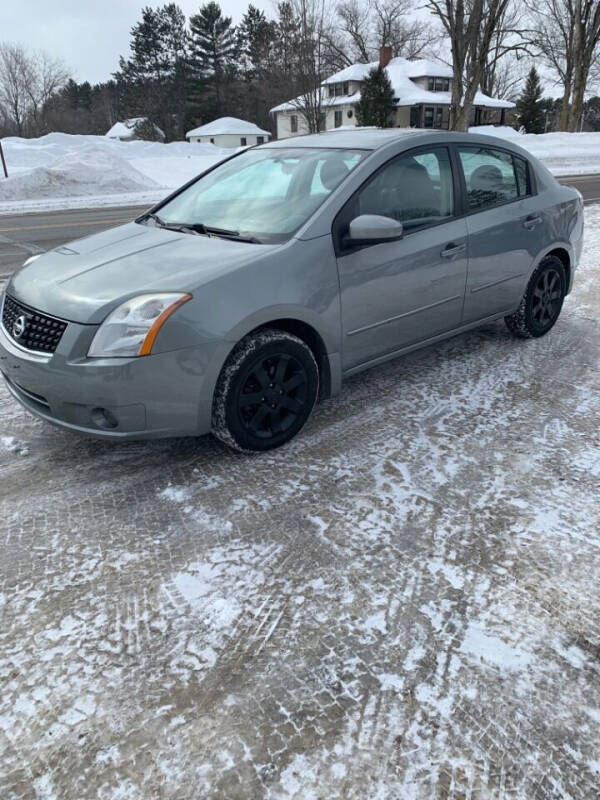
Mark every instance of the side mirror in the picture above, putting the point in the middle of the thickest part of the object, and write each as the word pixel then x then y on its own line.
pixel 374 229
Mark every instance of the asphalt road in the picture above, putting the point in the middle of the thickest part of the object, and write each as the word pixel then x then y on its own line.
pixel 22 235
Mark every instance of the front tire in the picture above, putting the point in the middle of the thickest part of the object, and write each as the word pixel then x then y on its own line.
pixel 266 391
pixel 542 302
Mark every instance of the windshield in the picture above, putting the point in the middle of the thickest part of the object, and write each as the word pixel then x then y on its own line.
pixel 264 194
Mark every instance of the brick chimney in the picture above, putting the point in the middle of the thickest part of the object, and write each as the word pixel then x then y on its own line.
pixel 385 55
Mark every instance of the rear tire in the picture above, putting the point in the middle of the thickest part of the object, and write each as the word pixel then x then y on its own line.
pixel 266 391
pixel 542 302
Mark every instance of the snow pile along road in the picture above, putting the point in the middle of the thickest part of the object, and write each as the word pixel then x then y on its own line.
pixel 61 170
pixel 90 169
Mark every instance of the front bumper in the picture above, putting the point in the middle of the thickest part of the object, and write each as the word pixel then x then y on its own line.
pixel 166 394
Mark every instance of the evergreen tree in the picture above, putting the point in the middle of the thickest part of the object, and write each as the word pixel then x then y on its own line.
pixel 214 49
pixel 530 109
pixel 377 103
pixel 152 80
pixel 255 40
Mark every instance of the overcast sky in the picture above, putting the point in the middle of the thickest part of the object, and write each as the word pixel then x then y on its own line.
pixel 89 35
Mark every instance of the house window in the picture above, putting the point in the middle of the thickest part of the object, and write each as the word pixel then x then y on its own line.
pixel 323 122
pixel 428 117
pixel 331 90
pixel 438 84
pixel 294 123
pixel 337 119
pixel 243 141
pixel 212 141
pixel 260 140
pixel 346 87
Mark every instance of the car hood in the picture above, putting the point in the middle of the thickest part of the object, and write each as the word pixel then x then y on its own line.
pixel 84 280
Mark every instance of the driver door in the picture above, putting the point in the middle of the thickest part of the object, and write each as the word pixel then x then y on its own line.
pixel 398 293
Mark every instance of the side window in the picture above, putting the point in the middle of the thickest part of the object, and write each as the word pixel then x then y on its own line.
pixel 416 190
pixel 522 174
pixel 490 176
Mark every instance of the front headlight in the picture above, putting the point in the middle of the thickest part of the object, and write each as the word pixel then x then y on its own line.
pixel 130 330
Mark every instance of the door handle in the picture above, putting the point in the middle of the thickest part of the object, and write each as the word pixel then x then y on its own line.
pixel 452 250
pixel 531 221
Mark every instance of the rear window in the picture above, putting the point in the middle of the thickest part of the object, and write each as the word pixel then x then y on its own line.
pixel 492 177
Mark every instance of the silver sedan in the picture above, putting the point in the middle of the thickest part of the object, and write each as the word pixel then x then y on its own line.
pixel 238 301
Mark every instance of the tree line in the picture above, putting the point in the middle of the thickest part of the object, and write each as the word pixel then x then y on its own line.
pixel 183 72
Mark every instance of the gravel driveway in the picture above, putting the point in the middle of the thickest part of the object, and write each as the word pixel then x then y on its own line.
pixel 403 603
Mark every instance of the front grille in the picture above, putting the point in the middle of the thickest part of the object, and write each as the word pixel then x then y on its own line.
pixel 40 332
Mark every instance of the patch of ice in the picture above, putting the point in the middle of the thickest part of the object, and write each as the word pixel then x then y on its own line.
pixel 390 681
pixel 176 494
pixel 13 445
pixel 490 649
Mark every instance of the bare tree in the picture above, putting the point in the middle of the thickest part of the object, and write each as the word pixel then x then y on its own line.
pixel 503 73
pixel 313 37
pixel 406 38
pixel 471 26
pixel 14 76
pixel 367 26
pixel 568 35
pixel 26 84
pixel 43 78
pixel 355 22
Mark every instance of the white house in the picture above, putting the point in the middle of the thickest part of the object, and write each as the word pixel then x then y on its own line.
pixel 422 91
pixel 126 131
pixel 229 132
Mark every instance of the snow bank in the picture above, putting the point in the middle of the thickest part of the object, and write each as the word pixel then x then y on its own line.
pixel 63 170
pixel 88 170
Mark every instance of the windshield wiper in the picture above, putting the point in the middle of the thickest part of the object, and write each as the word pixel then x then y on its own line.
pixel 236 236
pixel 200 227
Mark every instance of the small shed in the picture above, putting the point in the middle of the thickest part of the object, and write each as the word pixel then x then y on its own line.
pixel 136 128
pixel 229 132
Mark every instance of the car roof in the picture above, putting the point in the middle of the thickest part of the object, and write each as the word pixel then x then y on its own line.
pixel 377 138
pixel 361 138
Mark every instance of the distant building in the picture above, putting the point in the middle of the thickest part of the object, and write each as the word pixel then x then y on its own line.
pixel 229 132
pixel 131 129
pixel 422 89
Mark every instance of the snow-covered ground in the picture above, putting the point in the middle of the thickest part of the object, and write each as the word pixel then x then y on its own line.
pixel 74 171
pixel 401 604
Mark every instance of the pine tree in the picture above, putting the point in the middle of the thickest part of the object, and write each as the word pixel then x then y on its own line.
pixel 152 80
pixel 529 105
pixel 214 49
pixel 377 103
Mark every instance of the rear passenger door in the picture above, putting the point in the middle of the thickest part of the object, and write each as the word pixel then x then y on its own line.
pixel 504 229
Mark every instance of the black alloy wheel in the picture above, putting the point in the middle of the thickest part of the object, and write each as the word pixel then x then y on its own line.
pixel 266 391
pixel 542 302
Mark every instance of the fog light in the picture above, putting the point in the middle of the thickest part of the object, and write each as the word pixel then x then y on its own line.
pixel 103 418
